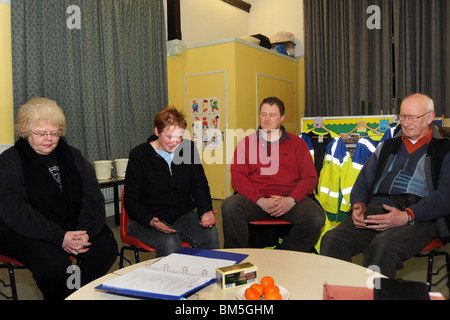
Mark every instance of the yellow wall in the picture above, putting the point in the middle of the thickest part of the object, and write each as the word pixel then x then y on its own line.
pixel 301 96
pixel 6 91
pixel 235 58
pixel 271 75
pixel 205 72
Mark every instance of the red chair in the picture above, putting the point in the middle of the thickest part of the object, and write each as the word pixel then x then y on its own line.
pixel 11 264
pixel 133 243
pixel 269 222
pixel 431 251
pixel 271 228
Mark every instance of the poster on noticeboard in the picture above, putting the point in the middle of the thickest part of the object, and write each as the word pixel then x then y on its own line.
pixel 205 122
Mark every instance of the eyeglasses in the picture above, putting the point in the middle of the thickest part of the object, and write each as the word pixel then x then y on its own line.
pixel 403 117
pixel 53 134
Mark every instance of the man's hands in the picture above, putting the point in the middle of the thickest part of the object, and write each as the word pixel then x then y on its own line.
pixel 394 218
pixel 276 206
pixel 358 216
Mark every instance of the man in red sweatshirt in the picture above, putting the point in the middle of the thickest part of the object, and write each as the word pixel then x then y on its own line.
pixel 273 175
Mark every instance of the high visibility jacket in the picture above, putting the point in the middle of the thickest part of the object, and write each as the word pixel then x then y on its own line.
pixel 336 173
pixel 366 147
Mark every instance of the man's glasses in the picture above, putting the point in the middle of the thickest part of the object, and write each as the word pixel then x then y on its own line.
pixel 42 134
pixel 403 117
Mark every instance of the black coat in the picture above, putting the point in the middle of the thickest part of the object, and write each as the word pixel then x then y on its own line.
pixel 18 215
pixel 152 189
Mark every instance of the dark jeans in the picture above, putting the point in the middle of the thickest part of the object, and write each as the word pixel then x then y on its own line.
pixel 307 219
pixel 188 230
pixel 48 262
pixel 387 249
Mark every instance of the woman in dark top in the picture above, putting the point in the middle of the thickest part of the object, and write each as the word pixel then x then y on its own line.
pixel 51 206
pixel 167 195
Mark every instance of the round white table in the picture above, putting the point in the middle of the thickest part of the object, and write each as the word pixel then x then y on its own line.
pixel 302 274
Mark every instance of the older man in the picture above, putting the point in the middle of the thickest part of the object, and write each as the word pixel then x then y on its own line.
pixel 400 200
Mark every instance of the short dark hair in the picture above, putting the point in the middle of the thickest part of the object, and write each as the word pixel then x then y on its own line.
pixel 273 101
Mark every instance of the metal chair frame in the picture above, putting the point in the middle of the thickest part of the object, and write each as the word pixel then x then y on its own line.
pixel 430 252
pixel 10 264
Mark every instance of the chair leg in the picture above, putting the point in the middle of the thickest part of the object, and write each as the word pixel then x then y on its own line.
pixel 122 250
pixel 446 265
pixel 431 255
pixel 430 269
pixel 136 254
pixel 12 283
pixel 122 255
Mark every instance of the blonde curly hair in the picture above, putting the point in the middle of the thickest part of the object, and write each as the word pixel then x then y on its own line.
pixel 36 111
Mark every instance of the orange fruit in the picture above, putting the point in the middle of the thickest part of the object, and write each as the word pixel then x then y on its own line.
pixel 271 289
pixel 273 296
pixel 252 294
pixel 267 281
pixel 258 287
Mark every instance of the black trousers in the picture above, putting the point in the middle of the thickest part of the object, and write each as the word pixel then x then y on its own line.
pixel 385 250
pixel 49 263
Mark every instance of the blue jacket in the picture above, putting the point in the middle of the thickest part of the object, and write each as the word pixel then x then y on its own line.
pixel 336 174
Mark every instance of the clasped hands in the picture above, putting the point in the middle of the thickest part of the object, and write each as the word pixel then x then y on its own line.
pixel 208 220
pixel 76 242
pixel 381 222
pixel 276 206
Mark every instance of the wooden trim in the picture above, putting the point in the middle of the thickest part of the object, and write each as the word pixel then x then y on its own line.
pixel 239 4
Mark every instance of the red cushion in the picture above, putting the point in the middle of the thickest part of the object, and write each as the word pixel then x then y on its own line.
pixel 436 243
pixel 9 260
pixel 269 222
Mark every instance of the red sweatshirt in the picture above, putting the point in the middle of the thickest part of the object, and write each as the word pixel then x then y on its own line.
pixel 262 169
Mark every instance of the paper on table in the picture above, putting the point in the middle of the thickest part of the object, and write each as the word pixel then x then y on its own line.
pixel 174 275
pixel 193 265
pixel 157 281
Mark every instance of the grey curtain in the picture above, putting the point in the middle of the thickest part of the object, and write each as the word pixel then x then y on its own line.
pixel 422 45
pixel 109 76
pixel 345 61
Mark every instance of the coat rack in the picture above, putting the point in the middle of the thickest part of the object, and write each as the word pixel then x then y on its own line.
pixel 364 125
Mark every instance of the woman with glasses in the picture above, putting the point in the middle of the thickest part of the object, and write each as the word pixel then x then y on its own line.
pixel 51 207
